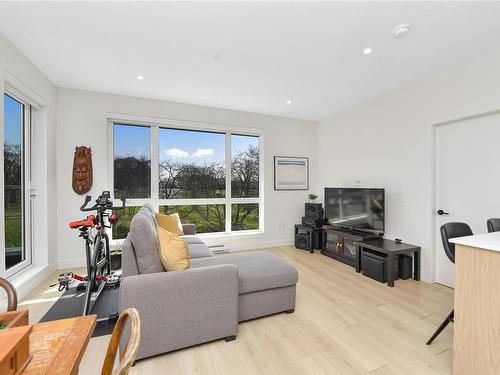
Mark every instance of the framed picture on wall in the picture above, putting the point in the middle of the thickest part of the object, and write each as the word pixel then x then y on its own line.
pixel 291 173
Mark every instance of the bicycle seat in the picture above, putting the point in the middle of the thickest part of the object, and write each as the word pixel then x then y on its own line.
pixel 81 223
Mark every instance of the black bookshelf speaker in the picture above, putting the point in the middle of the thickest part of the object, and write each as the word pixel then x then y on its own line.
pixel 314 211
pixel 313 223
pixel 303 239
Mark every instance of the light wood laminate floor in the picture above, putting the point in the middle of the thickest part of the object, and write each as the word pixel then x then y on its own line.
pixel 343 323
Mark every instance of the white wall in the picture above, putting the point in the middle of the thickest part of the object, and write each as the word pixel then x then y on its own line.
pixel 388 142
pixel 82 118
pixel 15 66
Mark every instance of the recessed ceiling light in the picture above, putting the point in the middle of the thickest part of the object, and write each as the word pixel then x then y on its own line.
pixel 140 78
pixel 367 51
pixel 401 31
pixel 288 102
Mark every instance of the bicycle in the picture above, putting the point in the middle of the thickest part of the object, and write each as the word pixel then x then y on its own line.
pixel 99 257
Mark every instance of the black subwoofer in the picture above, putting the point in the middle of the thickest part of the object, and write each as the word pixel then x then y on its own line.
pixel 314 211
pixel 405 267
pixel 375 266
pixel 304 238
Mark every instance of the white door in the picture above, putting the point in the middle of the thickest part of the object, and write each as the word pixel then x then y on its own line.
pixel 468 180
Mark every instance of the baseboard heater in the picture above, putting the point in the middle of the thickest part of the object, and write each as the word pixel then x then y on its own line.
pixel 219 248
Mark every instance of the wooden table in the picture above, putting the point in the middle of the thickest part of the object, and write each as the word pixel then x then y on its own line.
pixel 476 337
pixel 58 346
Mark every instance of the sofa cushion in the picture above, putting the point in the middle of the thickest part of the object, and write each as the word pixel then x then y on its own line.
pixel 189 229
pixel 192 239
pixel 149 211
pixel 198 250
pixel 144 239
pixel 256 270
pixel 129 262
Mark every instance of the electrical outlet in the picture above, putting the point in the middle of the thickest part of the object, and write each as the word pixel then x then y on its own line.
pixel 357 182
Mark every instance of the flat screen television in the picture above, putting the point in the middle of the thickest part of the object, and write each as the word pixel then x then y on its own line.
pixel 355 208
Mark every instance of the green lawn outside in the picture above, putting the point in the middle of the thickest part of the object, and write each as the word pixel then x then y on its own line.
pixel 13 225
pixel 208 218
pixel 13 233
pixel 250 222
pixel 121 228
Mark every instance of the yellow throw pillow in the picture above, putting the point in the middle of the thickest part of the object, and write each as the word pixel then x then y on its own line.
pixel 174 252
pixel 171 223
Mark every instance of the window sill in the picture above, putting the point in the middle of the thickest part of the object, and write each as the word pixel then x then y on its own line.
pixel 116 244
pixel 240 234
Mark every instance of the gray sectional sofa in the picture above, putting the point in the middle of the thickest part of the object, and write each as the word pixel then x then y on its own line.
pixel 184 308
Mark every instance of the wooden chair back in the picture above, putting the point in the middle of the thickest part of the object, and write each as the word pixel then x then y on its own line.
pixel 11 294
pixel 127 356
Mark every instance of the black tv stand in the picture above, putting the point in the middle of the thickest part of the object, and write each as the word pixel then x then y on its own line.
pixel 353 232
pixel 342 244
pixel 346 245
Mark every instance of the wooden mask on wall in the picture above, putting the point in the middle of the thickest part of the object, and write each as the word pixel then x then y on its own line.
pixel 82 170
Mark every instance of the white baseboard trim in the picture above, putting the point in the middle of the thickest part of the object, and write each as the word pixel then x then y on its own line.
pixel 258 244
pixel 31 278
pixel 72 263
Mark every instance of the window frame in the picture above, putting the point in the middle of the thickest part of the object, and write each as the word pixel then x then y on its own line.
pixel 155 123
pixel 26 187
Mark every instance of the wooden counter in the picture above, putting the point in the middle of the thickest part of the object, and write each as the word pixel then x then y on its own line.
pixel 476 343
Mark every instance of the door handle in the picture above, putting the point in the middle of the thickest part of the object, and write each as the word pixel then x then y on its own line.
pixel 441 212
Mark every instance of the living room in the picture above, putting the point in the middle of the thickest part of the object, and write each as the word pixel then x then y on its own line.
pixel 213 126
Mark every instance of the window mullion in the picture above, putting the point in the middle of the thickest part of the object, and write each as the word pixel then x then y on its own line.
pixel 111 158
pixel 27 186
pixel 228 181
pixel 261 183
pixel 155 167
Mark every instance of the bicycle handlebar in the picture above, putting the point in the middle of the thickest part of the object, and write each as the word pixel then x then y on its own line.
pixel 103 203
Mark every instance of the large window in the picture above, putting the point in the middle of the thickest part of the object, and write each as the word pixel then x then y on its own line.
pixel 192 164
pixel 245 166
pixel 16 173
pixel 132 161
pixel 211 178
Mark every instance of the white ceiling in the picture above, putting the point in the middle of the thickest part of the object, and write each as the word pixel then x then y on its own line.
pixel 310 53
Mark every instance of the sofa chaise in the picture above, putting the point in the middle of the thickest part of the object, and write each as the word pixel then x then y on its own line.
pixel 204 303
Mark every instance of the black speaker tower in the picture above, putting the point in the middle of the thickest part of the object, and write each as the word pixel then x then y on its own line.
pixel 309 235
pixel 314 211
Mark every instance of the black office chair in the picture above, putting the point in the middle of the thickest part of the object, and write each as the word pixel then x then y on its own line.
pixel 493 225
pixel 450 230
